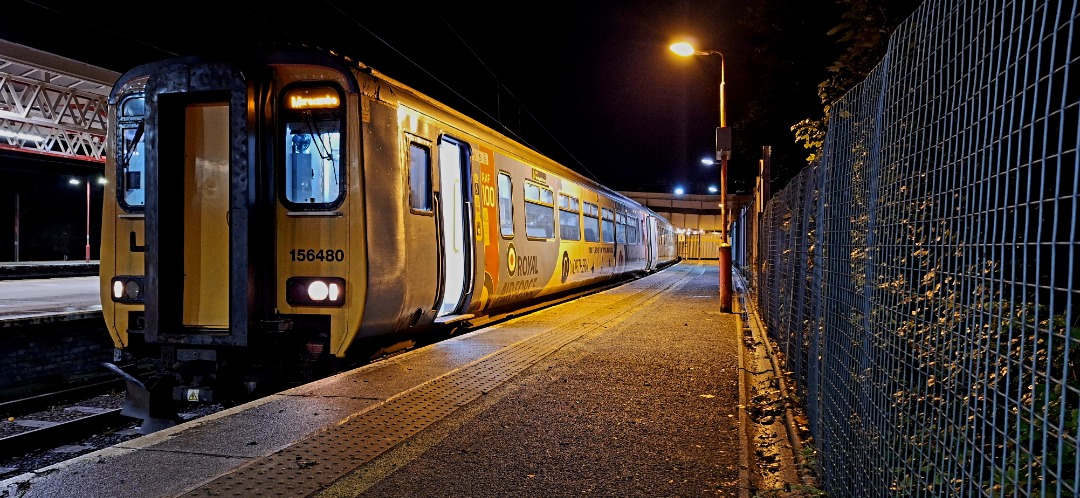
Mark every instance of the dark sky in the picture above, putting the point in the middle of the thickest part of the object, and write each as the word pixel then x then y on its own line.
pixel 589 83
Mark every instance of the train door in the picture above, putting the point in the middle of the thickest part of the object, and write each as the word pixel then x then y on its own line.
pixel 650 243
pixel 455 212
pixel 196 218
pixel 206 205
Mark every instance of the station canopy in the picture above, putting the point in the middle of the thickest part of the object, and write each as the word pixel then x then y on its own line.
pixel 52 105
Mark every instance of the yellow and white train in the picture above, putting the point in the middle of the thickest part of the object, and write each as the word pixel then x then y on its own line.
pixel 282 207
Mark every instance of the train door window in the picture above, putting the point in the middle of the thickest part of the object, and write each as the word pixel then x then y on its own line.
pixel 314 123
pixel 591 222
pixel 620 228
pixel 539 211
pixel 131 155
pixel 506 205
pixel 420 178
pixel 607 225
pixel 569 218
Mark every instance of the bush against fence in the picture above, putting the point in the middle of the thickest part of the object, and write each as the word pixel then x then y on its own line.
pixel 921 277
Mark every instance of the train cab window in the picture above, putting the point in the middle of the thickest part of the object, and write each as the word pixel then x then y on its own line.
pixel 569 219
pixel 607 225
pixel 131 156
pixel 620 228
pixel 539 211
pixel 420 178
pixel 314 124
pixel 591 222
pixel 506 205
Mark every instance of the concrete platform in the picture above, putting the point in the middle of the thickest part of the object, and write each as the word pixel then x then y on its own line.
pixel 634 391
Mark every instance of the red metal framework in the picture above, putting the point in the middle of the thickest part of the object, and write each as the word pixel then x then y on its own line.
pixel 52 105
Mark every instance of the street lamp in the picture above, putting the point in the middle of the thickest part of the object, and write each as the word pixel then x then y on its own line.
pixel 76 181
pixel 723 153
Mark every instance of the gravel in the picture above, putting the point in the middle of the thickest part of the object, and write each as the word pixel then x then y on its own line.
pixel 45 457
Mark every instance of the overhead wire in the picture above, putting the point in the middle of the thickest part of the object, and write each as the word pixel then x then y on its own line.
pixel 82 19
pixel 498 82
pixel 478 108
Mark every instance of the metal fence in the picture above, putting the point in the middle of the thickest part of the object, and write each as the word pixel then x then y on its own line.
pixel 921 278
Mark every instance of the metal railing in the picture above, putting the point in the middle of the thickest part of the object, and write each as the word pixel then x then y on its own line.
pixel 921 280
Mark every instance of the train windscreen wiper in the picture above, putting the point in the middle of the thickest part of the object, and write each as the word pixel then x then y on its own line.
pixel 320 146
pixel 133 144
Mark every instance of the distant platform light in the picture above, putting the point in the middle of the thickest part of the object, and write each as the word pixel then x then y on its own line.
pixel 712 189
pixel 679 191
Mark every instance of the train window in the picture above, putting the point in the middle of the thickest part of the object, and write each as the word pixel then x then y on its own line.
pixel 313 129
pixel 568 203
pixel 506 205
pixel 420 178
pixel 131 156
pixel 620 228
pixel 592 222
pixel 607 225
pixel 569 219
pixel 633 229
pixel 539 211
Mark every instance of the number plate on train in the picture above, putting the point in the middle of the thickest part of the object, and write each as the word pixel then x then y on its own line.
pixel 329 255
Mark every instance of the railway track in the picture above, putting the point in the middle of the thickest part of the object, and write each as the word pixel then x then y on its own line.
pixel 41 430
pixel 45 428
pixel 45 434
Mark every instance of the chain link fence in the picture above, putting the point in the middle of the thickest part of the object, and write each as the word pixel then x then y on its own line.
pixel 921 280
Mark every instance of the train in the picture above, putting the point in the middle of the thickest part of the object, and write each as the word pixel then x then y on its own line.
pixel 281 208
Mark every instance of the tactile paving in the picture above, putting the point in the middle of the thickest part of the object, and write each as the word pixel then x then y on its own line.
pixel 319 460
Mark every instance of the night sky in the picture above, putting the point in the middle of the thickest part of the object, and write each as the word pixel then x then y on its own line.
pixel 589 83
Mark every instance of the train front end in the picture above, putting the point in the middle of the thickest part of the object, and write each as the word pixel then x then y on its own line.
pixel 231 253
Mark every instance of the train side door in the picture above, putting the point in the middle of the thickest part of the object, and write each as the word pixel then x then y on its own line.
pixel 455 215
pixel 650 242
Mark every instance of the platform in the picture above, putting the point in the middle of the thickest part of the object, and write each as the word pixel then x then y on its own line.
pixel 633 391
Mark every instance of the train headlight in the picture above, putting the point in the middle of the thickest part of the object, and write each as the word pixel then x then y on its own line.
pixel 127 289
pixel 315 291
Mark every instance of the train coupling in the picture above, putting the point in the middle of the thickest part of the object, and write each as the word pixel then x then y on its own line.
pixel 152 403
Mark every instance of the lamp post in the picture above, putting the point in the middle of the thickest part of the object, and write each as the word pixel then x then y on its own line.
pixel 723 153
pixel 76 181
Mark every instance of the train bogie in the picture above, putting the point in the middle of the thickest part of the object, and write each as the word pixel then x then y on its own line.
pixel 287 208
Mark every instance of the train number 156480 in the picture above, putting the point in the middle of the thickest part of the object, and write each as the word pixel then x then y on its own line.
pixel 330 255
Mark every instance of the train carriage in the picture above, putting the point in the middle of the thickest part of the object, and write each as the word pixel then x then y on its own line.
pixel 274 210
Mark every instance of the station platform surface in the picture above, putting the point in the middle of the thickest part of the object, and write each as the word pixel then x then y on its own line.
pixel 633 391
